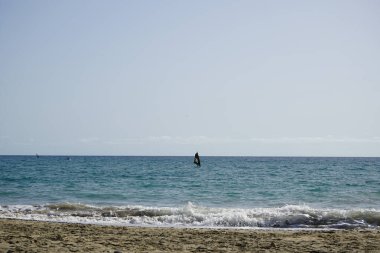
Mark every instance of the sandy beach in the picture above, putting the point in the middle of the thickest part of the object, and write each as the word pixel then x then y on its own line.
pixel 33 236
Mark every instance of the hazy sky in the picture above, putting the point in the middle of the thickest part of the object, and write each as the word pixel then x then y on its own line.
pixel 176 77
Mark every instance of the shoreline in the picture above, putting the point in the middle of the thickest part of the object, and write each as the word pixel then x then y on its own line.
pixel 37 236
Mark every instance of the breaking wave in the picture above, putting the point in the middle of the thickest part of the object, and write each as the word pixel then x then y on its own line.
pixel 190 215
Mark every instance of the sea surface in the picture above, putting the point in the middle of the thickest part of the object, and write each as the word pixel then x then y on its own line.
pixel 243 192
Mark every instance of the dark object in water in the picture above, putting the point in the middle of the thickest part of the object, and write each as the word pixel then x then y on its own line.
pixel 197 161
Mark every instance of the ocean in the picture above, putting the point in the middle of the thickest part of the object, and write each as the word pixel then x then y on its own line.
pixel 232 192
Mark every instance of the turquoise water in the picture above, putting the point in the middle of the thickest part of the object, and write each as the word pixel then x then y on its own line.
pixel 172 191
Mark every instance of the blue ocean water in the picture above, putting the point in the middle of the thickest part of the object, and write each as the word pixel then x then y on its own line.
pixel 295 192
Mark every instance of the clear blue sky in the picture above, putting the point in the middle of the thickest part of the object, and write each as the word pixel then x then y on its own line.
pixel 176 77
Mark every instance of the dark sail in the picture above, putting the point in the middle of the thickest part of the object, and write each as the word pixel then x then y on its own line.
pixel 197 161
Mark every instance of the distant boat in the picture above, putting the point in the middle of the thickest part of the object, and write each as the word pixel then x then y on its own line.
pixel 37 156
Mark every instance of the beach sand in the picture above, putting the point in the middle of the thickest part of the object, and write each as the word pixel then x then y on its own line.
pixel 34 236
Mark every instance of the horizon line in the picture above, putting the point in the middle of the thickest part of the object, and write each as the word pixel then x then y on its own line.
pixel 269 156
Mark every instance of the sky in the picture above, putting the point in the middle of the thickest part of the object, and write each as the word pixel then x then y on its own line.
pixel 239 78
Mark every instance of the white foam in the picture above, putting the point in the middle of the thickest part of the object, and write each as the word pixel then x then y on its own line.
pixel 190 215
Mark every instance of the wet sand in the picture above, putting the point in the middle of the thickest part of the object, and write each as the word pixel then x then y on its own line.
pixel 33 236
